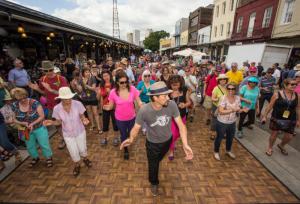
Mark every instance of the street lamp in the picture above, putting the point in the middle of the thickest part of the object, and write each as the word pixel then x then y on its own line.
pixel 21 29
pixel 23 35
pixel 52 35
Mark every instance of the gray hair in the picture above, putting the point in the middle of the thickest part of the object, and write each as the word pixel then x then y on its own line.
pixel 146 72
pixel 234 64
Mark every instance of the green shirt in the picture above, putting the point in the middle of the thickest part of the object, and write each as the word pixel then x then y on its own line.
pixel 218 91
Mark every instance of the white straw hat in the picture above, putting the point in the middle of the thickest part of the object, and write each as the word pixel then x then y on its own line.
pixel 65 93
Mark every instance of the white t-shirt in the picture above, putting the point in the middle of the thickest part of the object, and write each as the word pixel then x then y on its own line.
pixel 232 117
pixel 276 75
pixel 189 80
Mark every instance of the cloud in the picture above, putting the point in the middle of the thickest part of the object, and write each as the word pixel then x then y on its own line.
pixel 26 5
pixel 133 14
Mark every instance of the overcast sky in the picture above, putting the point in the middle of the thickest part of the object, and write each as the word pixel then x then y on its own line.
pixel 133 14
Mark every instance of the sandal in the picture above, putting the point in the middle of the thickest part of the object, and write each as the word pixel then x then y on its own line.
pixel 6 153
pixel 100 132
pixel 2 166
pixel 76 170
pixel 61 144
pixel 49 162
pixel 4 158
pixel 283 151
pixel 269 152
pixel 212 137
pixel 92 128
pixel 87 162
pixel 171 158
pixel 34 162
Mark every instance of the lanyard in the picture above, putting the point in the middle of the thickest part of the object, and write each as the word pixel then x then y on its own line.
pixel 289 102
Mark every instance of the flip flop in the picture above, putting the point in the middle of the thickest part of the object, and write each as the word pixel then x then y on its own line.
pixel 269 152
pixel 283 151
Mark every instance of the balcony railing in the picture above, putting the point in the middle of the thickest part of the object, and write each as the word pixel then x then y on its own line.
pixel 256 34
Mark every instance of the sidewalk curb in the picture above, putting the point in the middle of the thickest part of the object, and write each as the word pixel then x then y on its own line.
pixel 270 163
pixel 19 164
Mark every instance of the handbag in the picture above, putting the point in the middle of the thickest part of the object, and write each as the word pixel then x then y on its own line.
pixel 284 124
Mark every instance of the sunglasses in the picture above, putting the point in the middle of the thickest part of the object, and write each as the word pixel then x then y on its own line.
pixel 252 72
pixel 94 67
pixel 123 82
pixel 146 75
pixel 231 89
pixel 49 70
pixel 293 84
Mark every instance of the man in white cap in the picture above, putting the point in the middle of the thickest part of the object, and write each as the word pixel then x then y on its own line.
pixel 158 115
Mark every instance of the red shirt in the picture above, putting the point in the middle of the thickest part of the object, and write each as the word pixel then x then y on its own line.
pixel 104 93
pixel 55 83
pixel 211 83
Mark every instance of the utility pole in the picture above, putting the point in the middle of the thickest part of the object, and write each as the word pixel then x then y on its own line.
pixel 116 29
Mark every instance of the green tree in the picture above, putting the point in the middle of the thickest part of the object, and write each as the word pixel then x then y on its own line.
pixel 152 41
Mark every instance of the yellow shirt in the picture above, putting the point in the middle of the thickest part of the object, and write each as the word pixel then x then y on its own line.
pixel 218 91
pixel 235 77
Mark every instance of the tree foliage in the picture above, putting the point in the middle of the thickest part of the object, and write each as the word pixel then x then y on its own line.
pixel 152 41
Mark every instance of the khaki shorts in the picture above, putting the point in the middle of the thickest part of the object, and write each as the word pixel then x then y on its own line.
pixel 193 97
pixel 207 104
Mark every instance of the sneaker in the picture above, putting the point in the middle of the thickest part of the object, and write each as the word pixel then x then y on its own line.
pixel 239 134
pixel 217 156
pixel 116 141
pixel 231 155
pixel 103 141
pixel 154 190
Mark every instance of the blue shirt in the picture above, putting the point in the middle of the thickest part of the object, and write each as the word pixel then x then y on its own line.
pixel 251 95
pixel 19 77
pixel 130 74
pixel 267 83
pixel 143 95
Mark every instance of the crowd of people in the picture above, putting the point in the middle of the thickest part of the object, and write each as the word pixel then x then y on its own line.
pixel 149 93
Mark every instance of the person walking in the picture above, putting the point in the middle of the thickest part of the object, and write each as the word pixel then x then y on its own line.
pixel 106 85
pixel 249 96
pixel 18 76
pixel 157 115
pixel 266 85
pixel 285 115
pixel 228 108
pixel 191 84
pixel 218 92
pixel 181 96
pixel 123 98
pixel 70 114
pixel 29 114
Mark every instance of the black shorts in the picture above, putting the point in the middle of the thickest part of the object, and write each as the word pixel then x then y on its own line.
pixel 273 126
pixel 90 102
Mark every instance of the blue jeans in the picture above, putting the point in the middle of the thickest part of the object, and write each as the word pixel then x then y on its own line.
pixel 222 129
pixel 4 141
pixel 125 128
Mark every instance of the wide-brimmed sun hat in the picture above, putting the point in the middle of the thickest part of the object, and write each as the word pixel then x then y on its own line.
pixel 297 67
pixel 65 93
pixel 159 88
pixel 56 70
pixel 222 76
pixel 7 97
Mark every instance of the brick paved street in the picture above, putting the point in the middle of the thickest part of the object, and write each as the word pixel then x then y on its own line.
pixel 112 180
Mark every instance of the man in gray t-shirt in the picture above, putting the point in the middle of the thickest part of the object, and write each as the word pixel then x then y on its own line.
pixel 158 115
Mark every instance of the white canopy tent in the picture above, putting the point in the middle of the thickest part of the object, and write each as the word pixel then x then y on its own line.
pixel 189 52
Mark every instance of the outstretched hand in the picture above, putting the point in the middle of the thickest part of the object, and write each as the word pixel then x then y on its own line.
pixel 126 143
pixel 188 152
pixel 47 122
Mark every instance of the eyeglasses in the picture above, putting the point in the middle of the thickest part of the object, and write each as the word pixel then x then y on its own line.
pixel 49 70
pixel 146 75
pixel 123 82
pixel 252 71
pixel 231 89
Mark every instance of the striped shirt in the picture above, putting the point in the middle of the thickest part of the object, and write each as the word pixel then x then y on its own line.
pixel 267 83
